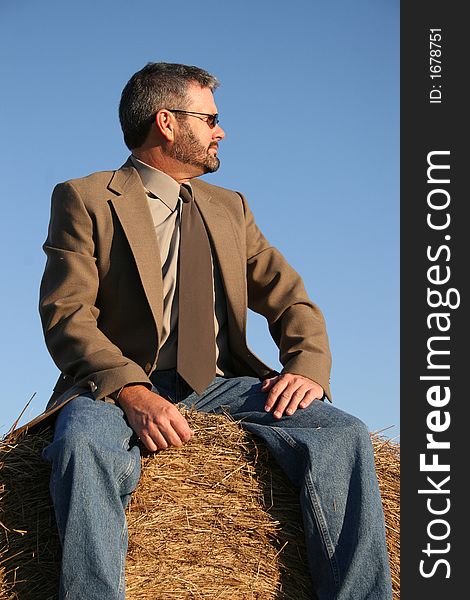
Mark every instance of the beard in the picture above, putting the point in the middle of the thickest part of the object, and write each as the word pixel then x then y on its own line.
pixel 188 150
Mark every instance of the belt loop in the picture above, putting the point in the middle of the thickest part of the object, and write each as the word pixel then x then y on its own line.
pixel 177 387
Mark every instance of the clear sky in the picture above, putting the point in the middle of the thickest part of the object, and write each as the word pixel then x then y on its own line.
pixel 310 105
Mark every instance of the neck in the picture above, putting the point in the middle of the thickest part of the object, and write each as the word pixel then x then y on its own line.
pixel 155 158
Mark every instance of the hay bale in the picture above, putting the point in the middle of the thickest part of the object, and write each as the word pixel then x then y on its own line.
pixel 387 466
pixel 213 519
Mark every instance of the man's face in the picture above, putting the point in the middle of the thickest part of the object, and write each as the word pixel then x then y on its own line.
pixel 196 144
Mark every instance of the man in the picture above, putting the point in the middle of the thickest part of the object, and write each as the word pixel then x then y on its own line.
pixel 148 278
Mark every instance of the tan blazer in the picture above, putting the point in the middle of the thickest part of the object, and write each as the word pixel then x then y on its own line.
pixel 101 294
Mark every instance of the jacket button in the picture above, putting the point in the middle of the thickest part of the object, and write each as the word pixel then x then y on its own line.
pixel 93 386
pixel 148 368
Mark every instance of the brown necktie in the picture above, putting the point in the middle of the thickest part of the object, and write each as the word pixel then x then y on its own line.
pixel 196 334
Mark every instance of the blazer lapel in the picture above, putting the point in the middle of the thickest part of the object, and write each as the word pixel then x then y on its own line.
pixel 134 215
pixel 229 255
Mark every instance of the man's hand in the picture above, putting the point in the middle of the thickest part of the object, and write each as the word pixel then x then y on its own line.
pixel 156 421
pixel 288 392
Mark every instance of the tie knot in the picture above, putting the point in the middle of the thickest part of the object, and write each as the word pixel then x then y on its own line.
pixel 185 193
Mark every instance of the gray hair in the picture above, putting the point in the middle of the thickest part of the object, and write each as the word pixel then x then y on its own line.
pixel 156 86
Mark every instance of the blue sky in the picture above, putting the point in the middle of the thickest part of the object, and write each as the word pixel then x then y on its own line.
pixel 309 102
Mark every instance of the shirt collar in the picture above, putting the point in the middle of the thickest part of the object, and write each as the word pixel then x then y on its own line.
pixel 158 183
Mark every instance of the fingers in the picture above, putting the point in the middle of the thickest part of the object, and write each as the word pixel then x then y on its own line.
pixel 149 443
pixel 166 434
pixel 268 383
pixel 275 391
pixel 169 430
pixel 289 399
pixel 291 392
pixel 157 422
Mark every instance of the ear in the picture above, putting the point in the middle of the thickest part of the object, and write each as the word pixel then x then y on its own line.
pixel 165 122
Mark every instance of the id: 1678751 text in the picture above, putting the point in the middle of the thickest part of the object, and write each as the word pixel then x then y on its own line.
pixel 435 66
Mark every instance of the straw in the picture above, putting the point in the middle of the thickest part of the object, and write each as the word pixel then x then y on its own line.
pixel 213 520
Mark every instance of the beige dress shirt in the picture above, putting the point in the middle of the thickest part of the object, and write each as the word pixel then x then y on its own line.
pixel 165 207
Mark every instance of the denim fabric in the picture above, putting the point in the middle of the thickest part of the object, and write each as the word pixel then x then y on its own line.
pixel 95 468
pixel 324 451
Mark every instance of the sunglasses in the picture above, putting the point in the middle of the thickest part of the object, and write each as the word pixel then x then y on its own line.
pixel 211 120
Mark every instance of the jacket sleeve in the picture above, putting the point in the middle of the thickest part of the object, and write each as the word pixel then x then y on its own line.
pixel 67 306
pixel 276 291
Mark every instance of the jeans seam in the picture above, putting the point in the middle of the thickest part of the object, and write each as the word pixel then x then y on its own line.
pixel 323 528
pixel 128 471
pixel 125 442
pixel 287 438
pixel 317 511
pixel 122 576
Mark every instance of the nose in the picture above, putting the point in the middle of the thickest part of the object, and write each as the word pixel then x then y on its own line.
pixel 218 133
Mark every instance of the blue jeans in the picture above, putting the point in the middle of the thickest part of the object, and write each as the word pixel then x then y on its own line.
pixel 324 451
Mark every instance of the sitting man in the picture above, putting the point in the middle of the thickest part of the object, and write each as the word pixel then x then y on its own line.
pixel 144 299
